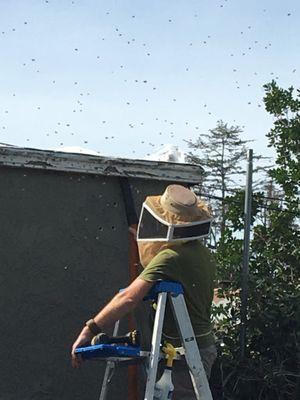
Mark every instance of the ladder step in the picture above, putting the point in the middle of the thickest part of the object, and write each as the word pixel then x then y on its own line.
pixel 105 351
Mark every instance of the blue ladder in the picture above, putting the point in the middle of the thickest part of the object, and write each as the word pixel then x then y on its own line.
pixel 160 292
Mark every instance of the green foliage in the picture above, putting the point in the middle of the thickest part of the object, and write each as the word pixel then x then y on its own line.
pixel 220 153
pixel 285 136
pixel 270 368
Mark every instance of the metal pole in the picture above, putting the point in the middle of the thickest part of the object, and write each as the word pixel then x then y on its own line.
pixel 245 269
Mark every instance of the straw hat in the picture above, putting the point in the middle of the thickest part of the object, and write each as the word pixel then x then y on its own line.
pixel 178 205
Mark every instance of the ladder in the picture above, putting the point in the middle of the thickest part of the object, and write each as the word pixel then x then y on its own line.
pixel 161 292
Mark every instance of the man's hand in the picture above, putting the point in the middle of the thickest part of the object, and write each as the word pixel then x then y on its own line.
pixel 123 303
pixel 83 339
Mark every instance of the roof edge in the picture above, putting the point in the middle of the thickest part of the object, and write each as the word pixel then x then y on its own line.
pixel 18 157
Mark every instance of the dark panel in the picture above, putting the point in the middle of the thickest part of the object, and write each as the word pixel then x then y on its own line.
pixel 63 252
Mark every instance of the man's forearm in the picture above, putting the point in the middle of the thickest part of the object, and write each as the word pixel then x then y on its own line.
pixel 117 308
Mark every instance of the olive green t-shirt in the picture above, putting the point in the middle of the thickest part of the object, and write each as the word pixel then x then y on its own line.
pixel 190 264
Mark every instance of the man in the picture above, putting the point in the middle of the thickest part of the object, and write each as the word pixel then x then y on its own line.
pixel 168 240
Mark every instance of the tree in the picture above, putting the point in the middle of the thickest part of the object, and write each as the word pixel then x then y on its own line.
pixel 272 364
pixel 219 152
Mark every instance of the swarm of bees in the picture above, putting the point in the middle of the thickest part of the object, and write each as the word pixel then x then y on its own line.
pixel 126 81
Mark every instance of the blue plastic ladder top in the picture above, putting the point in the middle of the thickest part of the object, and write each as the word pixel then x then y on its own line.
pixel 113 350
pixel 172 287
pixel 108 350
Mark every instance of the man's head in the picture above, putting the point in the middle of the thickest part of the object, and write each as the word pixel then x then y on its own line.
pixel 175 216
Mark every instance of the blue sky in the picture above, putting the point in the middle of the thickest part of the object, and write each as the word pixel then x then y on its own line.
pixel 125 77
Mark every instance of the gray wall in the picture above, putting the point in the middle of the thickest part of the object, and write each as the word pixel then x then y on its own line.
pixel 63 254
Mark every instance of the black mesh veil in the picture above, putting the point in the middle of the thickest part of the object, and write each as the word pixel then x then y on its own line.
pixel 193 231
pixel 151 228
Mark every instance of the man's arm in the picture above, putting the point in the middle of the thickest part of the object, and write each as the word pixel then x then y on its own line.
pixel 121 304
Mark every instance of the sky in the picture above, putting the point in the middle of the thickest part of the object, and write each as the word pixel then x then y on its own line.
pixel 126 77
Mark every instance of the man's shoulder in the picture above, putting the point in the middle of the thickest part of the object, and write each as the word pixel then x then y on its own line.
pixel 166 255
pixel 164 259
pixel 162 266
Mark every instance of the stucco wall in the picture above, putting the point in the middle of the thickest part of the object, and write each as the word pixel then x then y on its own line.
pixel 63 254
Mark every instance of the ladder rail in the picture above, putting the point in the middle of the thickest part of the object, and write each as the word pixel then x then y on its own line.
pixel 189 343
pixel 109 369
pixel 155 345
